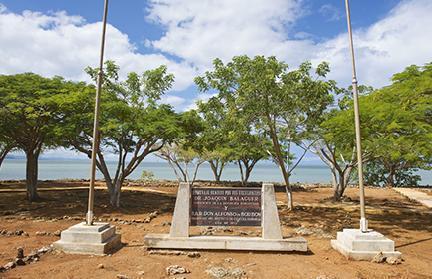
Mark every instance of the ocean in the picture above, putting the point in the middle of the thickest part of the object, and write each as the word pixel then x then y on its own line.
pixel 50 169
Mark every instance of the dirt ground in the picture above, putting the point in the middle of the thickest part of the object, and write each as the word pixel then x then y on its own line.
pixel 315 217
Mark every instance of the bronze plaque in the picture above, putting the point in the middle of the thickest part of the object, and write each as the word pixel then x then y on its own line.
pixel 225 207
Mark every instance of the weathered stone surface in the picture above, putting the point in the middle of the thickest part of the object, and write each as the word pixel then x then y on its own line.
pixel 225 243
pixel 357 245
pixel 270 217
pixel 180 220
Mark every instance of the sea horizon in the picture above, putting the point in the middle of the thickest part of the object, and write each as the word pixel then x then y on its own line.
pixel 78 168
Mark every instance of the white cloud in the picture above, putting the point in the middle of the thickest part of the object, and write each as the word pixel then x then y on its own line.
pixel 172 100
pixel 196 32
pixel 61 44
pixel 330 12
pixel 386 47
pixel 199 31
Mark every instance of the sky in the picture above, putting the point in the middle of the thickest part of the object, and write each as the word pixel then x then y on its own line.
pixel 62 37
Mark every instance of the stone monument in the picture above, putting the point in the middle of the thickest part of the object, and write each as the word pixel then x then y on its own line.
pixel 238 206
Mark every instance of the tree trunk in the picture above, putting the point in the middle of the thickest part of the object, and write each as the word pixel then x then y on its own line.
pixel 216 171
pixel 391 178
pixel 280 161
pixel 247 174
pixel 344 177
pixel 32 175
pixel 241 172
pixel 338 191
pixel 289 194
pixel 115 193
pixel 3 154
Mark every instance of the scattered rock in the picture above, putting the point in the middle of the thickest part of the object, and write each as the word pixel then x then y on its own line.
pixel 57 233
pixel 219 272
pixel 379 258
pixel 20 253
pixel 122 276
pixel 44 250
pixel 229 260
pixel 166 224
pixel 393 260
pixel 237 273
pixel 193 254
pixel 9 265
pixel 141 273
pixel 100 266
pixel 176 269
pixel 41 233
pixel 19 261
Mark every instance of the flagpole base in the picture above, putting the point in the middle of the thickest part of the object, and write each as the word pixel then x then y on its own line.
pixel 97 239
pixel 363 225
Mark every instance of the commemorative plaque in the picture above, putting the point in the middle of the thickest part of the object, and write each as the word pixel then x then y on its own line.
pixel 225 207
pixel 240 206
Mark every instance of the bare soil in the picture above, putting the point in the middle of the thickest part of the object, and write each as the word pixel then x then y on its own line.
pixel 64 204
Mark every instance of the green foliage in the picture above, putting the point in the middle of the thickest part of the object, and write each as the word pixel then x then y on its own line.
pixel 132 123
pixel 396 125
pixel 377 175
pixel 285 105
pixel 147 176
pixel 31 116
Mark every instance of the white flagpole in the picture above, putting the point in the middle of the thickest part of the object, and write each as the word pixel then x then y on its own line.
pixel 363 221
pixel 96 139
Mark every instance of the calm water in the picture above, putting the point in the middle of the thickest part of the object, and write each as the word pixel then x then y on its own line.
pixel 79 169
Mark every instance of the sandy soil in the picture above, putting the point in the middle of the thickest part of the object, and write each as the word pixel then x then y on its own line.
pixel 407 223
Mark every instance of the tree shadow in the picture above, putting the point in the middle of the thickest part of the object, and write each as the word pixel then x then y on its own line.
pixel 56 204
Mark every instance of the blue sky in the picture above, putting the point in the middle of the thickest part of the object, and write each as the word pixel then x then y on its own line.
pixel 61 37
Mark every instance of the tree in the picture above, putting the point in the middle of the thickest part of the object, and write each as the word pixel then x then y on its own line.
pixel 334 141
pixel 213 141
pixel 184 151
pixel 283 104
pixel 229 135
pixel 181 158
pixel 6 142
pixel 31 117
pixel 399 117
pixel 249 149
pixel 132 124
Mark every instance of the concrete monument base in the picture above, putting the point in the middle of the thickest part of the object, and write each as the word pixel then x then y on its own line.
pixel 97 239
pixel 363 246
pixel 225 243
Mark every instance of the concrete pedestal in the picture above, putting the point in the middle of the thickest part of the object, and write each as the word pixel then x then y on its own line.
pixel 164 241
pixel 357 245
pixel 97 239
